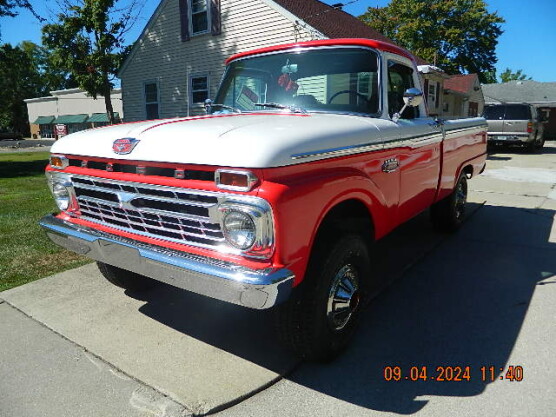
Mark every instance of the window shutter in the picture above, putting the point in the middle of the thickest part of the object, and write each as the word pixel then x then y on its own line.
pixel 184 20
pixel 215 17
pixel 437 94
pixel 426 92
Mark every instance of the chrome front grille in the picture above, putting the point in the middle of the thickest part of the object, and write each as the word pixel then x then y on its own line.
pixel 175 214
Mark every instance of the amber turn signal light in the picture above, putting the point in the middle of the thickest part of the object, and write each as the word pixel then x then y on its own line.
pixel 58 161
pixel 235 180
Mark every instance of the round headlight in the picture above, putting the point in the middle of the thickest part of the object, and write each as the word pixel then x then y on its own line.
pixel 239 229
pixel 61 196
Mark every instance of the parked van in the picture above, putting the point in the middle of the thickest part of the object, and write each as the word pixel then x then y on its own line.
pixel 514 124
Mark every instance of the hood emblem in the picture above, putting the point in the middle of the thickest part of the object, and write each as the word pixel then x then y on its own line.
pixel 124 146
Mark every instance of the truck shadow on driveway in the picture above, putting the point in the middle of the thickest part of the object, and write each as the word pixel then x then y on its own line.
pixel 461 301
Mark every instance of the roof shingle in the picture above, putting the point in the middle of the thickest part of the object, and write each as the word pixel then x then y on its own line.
pixel 461 83
pixel 526 91
pixel 333 23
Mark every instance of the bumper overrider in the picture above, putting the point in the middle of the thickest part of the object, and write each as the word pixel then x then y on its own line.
pixel 225 281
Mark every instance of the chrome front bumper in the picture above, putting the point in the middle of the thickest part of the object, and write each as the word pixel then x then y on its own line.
pixel 233 283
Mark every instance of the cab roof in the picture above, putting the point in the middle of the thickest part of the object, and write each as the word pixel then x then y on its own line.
pixel 370 43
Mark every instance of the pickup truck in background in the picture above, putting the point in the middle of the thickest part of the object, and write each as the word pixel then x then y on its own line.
pixel 515 124
pixel 309 153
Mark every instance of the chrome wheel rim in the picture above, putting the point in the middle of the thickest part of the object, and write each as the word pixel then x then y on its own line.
pixel 343 298
pixel 461 199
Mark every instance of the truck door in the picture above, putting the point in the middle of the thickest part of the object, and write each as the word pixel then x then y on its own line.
pixel 419 151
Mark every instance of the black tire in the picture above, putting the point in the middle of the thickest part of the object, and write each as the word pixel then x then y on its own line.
pixel 126 279
pixel 448 214
pixel 310 323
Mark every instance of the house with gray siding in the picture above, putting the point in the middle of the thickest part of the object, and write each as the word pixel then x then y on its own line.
pixel 178 60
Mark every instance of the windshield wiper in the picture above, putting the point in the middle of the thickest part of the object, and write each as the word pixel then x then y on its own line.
pixel 209 104
pixel 293 109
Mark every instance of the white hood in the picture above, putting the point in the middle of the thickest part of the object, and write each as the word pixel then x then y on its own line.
pixel 253 140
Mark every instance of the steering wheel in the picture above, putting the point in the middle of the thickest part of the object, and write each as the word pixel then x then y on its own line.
pixel 347 92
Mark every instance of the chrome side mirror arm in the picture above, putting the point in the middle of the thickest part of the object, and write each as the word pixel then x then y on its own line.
pixel 412 97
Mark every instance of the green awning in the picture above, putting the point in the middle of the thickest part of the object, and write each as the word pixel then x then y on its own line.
pixel 101 117
pixel 44 120
pixel 71 118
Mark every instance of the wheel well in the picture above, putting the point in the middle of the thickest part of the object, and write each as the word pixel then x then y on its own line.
pixel 468 171
pixel 350 216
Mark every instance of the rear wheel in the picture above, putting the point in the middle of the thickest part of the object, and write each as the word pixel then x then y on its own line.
pixel 320 318
pixel 126 279
pixel 447 215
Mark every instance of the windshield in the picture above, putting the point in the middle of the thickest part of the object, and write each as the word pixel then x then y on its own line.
pixel 329 80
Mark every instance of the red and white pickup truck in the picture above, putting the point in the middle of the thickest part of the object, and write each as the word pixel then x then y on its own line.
pixel 309 153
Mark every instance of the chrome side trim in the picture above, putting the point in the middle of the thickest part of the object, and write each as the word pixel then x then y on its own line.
pixel 225 281
pixel 411 142
pixel 414 142
pixel 451 134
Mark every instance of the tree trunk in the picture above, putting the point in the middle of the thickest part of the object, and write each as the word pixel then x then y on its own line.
pixel 108 102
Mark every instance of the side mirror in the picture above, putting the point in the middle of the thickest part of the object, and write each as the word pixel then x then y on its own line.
pixel 412 97
pixel 208 106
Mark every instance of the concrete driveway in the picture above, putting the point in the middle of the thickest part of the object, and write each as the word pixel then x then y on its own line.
pixel 72 345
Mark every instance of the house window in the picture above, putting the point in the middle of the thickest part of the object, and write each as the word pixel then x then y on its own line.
pixel 199 16
pixel 199 89
pixel 431 99
pixel 151 100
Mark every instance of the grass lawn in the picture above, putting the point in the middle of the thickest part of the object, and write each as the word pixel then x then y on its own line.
pixel 26 254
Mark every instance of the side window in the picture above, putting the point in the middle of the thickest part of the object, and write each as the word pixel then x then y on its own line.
pixel 494 112
pixel 400 78
pixel 151 100
pixel 199 89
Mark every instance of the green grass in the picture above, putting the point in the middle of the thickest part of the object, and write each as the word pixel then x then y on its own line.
pixel 26 254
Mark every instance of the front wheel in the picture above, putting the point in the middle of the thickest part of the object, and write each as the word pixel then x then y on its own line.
pixel 319 320
pixel 126 279
pixel 447 215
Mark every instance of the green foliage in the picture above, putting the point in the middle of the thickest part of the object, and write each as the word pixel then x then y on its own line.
pixel 489 77
pixel 26 71
pixel 459 36
pixel 88 41
pixel 507 75
pixel 9 7
pixel 18 80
